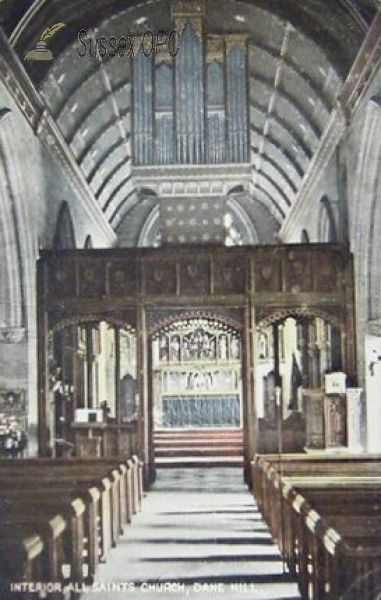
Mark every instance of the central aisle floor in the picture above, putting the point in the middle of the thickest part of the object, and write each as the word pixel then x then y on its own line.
pixel 199 535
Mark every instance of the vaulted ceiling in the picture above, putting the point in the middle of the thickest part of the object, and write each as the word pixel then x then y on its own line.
pixel 299 54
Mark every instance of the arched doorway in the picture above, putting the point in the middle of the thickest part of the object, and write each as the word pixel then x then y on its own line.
pixel 295 352
pixel 197 392
pixel 92 379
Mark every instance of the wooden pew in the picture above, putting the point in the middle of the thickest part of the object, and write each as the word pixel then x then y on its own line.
pixel 61 523
pixel 112 499
pixel 115 495
pixel 23 486
pixel 52 530
pixel 131 481
pixel 21 559
pixel 326 547
pixel 266 469
pixel 333 552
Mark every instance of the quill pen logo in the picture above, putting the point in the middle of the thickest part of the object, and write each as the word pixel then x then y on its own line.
pixel 40 51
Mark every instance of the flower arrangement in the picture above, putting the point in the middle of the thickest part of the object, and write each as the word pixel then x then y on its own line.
pixel 12 434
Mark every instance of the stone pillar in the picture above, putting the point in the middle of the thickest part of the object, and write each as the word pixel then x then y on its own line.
pixel 373 396
pixel 354 416
pixel 45 442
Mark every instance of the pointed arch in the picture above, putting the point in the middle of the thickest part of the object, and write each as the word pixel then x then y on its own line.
pixel 327 222
pixel 64 236
pixel 12 306
pixel 88 242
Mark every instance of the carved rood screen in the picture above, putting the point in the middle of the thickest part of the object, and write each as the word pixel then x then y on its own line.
pixel 147 290
pixel 278 281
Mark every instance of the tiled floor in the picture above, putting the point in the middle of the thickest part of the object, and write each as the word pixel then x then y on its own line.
pixel 199 535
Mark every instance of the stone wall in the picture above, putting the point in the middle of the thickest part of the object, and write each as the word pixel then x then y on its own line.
pixel 32 190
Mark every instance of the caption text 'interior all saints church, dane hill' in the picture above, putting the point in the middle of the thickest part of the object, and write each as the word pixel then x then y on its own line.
pixel 190 218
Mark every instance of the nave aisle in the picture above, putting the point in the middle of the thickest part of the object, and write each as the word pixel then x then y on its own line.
pixel 199 535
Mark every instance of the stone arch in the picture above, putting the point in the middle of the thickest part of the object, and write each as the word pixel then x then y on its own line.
pixel 374 224
pixel 151 232
pixel 12 303
pixel 240 218
pixel 366 225
pixel 327 231
pixel 88 242
pixel 64 236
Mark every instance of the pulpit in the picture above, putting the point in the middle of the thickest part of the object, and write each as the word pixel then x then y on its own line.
pixel 335 417
pixel 313 408
pixel 326 417
pixel 355 410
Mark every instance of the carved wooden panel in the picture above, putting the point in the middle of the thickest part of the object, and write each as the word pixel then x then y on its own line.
pixel 127 318
pixel 160 278
pixel 229 277
pixel 160 319
pixel 297 273
pixel 121 278
pixel 335 421
pixel 313 408
pixel 267 273
pixel 62 277
pixel 92 278
pixel 276 270
pixel 326 272
pixel 195 277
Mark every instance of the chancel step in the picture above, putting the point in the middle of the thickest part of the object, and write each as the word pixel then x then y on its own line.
pixel 192 447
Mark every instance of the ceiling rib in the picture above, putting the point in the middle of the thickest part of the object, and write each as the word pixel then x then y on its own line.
pixel 105 156
pixel 355 86
pixel 116 190
pixel 118 209
pixel 289 62
pixel 307 117
pixel 119 165
pixel 266 158
pixel 280 148
pixel 271 104
pixel 286 128
pixel 285 131
pixel 99 133
pixel 284 202
pixel 355 14
pixel 90 113
pixel 271 204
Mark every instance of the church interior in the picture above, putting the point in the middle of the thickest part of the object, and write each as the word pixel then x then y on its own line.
pixel 190 299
